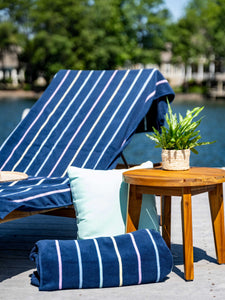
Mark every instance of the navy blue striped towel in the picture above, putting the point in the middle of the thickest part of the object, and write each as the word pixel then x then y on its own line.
pixel 84 119
pixel 133 258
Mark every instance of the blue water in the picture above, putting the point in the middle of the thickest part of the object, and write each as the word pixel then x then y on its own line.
pixel 141 148
pixel 212 128
pixel 10 114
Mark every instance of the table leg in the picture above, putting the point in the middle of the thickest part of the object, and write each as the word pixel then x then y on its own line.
pixel 217 216
pixel 166 219
pixel 187 235
pixel 134 202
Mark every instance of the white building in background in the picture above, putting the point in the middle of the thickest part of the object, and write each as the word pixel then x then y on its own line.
pixel 177 74
pixel 9 67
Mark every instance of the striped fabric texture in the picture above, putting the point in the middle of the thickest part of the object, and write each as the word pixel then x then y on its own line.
pixel 84 119
pixel 134 258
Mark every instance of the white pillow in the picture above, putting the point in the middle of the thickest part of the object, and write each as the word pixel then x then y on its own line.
pixel 100 201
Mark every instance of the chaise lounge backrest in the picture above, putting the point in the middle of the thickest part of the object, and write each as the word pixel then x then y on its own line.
pixel 85 119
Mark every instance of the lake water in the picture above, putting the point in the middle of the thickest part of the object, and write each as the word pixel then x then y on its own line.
pixel 141 148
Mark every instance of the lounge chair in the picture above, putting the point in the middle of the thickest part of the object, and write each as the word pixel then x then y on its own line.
pixel 84 119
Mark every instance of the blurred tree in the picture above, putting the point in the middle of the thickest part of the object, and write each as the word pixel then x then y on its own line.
pixel 8 35
pixel 188 39
pixel 145 23
pixel 213 17
pixel 200 32
pixel 88 34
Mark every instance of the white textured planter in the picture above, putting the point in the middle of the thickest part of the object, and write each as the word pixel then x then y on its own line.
pixel 175 160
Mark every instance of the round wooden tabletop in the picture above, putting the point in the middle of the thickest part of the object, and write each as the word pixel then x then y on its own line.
pixel 157 177
pixel 6 176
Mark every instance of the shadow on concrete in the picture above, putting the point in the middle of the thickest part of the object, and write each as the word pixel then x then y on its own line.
pixel 178 259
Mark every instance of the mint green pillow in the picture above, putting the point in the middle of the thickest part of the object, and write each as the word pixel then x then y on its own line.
pixel 100 201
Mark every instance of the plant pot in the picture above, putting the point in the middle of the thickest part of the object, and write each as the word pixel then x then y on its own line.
pixel 175 160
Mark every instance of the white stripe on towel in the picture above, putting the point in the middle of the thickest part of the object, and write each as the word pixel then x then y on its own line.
pixel 42 195
pixel 156 254
pixel 138 258
pixel 79 264
pixel 100 264
pixel 59 263
pixel 119 261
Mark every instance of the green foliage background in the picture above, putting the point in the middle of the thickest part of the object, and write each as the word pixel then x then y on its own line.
pixel 100 34
pixel 86 34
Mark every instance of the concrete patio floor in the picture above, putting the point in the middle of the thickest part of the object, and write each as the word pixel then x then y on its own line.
pixel 18 237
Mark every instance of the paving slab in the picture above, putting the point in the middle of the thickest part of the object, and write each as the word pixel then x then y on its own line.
pixel 18 237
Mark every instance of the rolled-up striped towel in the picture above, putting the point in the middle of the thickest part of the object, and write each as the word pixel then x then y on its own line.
pixel 133 258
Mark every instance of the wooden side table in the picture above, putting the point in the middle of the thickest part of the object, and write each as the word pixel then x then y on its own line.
pixel 185 184
pixel 6 176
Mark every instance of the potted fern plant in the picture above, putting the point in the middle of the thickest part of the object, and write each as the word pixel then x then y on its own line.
pixel 178 139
